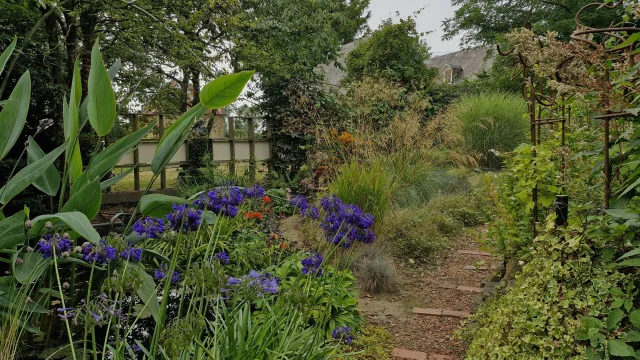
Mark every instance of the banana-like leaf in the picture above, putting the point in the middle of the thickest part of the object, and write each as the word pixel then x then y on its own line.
pixel 75 164
pixel 84 113
pixel 28 175
pixel 49 182
pixel 224 90
pixel 114 180
pixel 76 221
pixel 14 114
pixel 147 292
pixel 6 54
pixel 12 231
pixel 173 138
pixel 101 105
pixel 31 267
pixel 87 200
pixel 159 205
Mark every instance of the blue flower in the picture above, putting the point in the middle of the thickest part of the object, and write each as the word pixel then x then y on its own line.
pixel 312 265
pixel 184 218
pixel 149 227
pixel 131 253
pixel 65 313
pixel 46 245
pixel 161 273
pixel 96 317
pixel 101 253
pixel 342 333
pixel 223 257
pixel 257 282
pixel 346 223
pixel 223 200
pixel 256 191
pixel 233 281
pixel 299 202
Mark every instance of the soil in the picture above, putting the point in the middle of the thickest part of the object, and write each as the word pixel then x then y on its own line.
pixel 435 289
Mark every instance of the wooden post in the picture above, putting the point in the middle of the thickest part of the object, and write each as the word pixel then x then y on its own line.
pixel 232 146
pixel 252 150
pixel 163 174
pixel 136 158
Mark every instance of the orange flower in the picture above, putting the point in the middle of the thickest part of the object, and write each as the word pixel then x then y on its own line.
pixel 283 246
pixel 258 215
pixel 266 199
pixel 275 236
pixel 249 215
pixel 346 138
pixel 334 132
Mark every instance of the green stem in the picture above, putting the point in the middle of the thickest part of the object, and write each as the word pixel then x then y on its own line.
pixel 86 304
pixel 66 321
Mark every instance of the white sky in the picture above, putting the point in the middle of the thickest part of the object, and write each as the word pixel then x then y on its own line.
pixel 430 19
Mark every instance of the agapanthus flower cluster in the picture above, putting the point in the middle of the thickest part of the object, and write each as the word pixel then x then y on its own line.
pixel 346 223
pixel 149 227
pixel 101 253
pixel 256 191
pixel 222 257
pixel 101 308
pixel 162 271
pixel 223 200
pixel 300 202
pixel 46 245
pixel 261 283
pixel 312 265
pixel 343 334
pixel 131 253
pixel 66 313
pixel 184 218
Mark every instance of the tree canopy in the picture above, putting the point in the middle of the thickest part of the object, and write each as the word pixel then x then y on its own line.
pixel 394 52
pixel 484 21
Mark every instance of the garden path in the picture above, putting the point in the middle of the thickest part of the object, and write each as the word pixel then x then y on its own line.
pixel 449 286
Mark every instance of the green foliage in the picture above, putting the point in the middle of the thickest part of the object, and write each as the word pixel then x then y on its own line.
pixel 375 343
pixel 492 122
pixel 466 208
pixel 394 52
pixel 370 186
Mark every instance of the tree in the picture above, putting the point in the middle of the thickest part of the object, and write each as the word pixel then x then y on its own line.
pixel 394 52
pixel 485 21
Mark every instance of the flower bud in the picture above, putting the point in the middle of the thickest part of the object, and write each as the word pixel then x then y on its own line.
pixel 48 225
pixel 27 300
pixel 19 261
pixel 28 224
pixel 65 285
pixel 29 249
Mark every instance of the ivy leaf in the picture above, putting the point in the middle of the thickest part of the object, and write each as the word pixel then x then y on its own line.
pixel 614 318
pixel 620 348
pixel 634 317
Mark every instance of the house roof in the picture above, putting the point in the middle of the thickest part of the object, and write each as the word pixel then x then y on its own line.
pixel 471 61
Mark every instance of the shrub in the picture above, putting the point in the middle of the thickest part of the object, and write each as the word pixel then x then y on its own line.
pixel 425 185
pixel 367 185
pixel 491 121
pixel 375 271
pixel 467 208
pixel 410 233
pixel 374 343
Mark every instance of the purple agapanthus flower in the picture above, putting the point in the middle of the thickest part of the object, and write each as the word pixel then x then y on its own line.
pixel 131 253
pixel 149 227
pixel 101 253
pixel 222 200
pixel 261 283
pixel 184 218
pixel 161 273
pixel 65 313
pixel 256 191
pixel 342 333
pixel 222 257
pixel 346 223
pixel 46 245
pixel 312 265
pixel 299 202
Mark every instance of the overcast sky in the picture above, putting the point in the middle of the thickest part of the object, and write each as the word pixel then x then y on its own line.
pixel 430 19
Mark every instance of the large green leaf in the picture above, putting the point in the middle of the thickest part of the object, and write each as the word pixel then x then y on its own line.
pixel 224 90
pixel 12 231
pixel 147 291
pixel 84 113
pixel 173 138
pixel 109 157
pixel 101 105
pixel 76 85
pixel 7 53
pixel 87 200
pixel 14 114
pixel 159 205
pixel 28 175
pixel 75 164
pixel 113 180
pixel 49 182
pixel 76 221
pixel 620 348
pixel 31 267
pixel 114 69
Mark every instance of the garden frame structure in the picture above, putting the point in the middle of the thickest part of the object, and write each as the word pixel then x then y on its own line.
pixel 546 108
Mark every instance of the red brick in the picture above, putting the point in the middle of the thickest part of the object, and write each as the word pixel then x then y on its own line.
pixel 471 267
pixel 470 289
pixel 440 357
pixel 430 312
pixel 474 252
pixel 454 313
pixel 408 354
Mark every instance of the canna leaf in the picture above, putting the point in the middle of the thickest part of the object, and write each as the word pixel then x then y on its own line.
pixel 14 114
pixel 224 90
pixel 101 99
pixel 49 182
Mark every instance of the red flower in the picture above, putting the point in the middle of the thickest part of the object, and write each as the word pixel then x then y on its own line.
pixel 283 246
pixel 249 215
pixel 257 215
pixel 266 199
